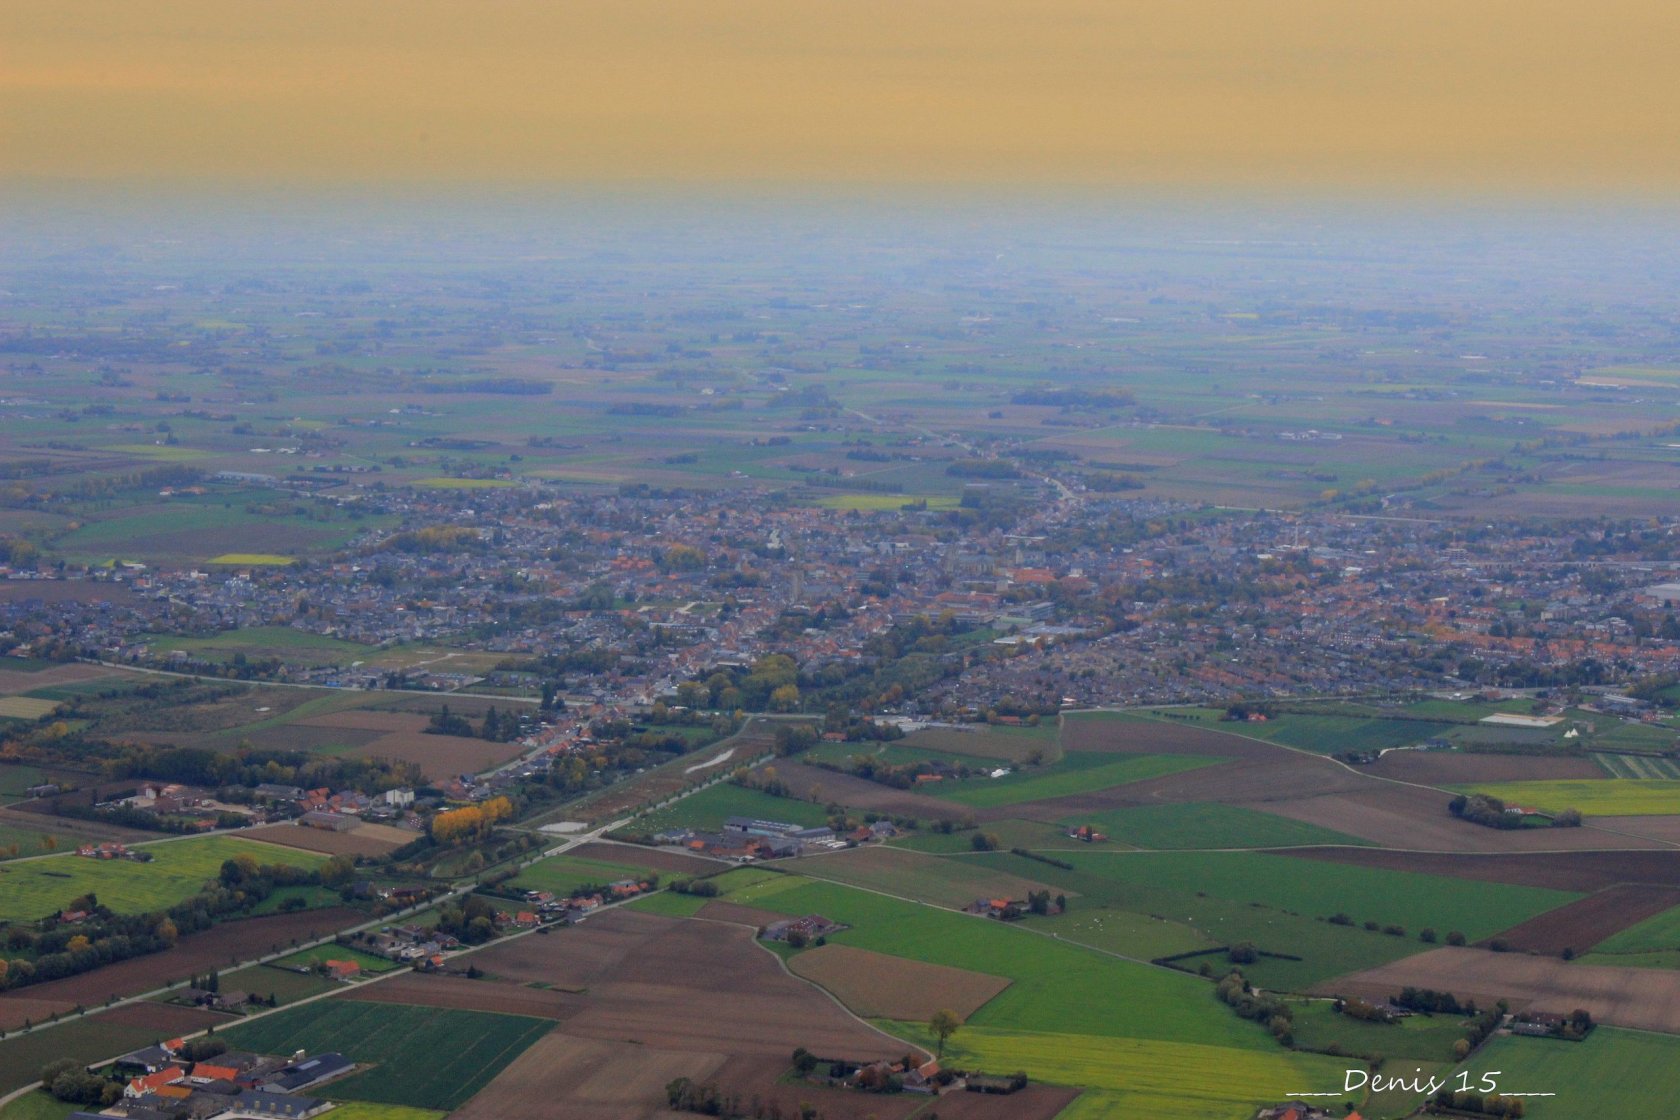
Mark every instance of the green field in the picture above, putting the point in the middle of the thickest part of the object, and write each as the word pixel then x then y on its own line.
pixel 1130 1077
pixel 267 641
pixel 28 841
pixel 1425 1038
pixel 422 1057
pixel 925 878
pixel 1279 903
pixel 668 904
pixel 465 483
pixel 1035 835
pixel 1658 933
pixel 1076 773
pixel 1206 825
pixel 1608 797
pixel 90 1039
pixel 1624 1075
pixel 1330 734
pixel 708 809
pixel 39 1105
pixel 254 559
pixel 1638 766
pixel 179 868
pixel 368 1110
pixel 284 985
pixel 564 874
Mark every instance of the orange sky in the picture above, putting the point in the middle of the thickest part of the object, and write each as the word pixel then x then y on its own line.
pixel 1524 93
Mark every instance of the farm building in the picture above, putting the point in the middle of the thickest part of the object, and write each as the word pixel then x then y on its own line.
pixel 332 822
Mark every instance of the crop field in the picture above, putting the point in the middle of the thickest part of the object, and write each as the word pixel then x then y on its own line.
pixel 26 707
pixel 253 559
pixel 564 874
pixel 877 986
pixel 366 840
pixel 1612 1073
pixel 1328 734
pixel 299 646
pixel 1417 1038
pixel 657 998
pixel 1074 774
pixel 925 878
pixel 1206 825
pixel 35 888
pixel 420 989
pixel 17 841
pixel 1656 933
pixel 1056 986
pixel 368 1110
pixel 1002 742
pixel 1226 897
pixel 708 809
pixel 1011 833
pixel 1147 1078
pixel 1609 797
pixel 1638 766
pixel 283 984
pixel 1641 998
pixel 1587 922
pixel 649 859
pixel 91 1039
pixel 421 1056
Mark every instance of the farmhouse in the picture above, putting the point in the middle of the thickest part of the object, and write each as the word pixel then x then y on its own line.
pixel 811 927
pixel 1000 909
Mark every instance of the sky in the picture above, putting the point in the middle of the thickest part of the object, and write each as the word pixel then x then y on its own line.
pixel 1530 95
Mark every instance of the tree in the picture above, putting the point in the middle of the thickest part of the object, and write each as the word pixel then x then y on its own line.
pixel 944 1024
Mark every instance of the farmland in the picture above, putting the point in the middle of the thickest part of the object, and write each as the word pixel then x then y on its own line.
pixel 421 1057
pixel 1205 825
pixel 708 809
pixel 1074 774
pixel 910 874
pixel 1609 797
pixel 564 874
pixel 877 986
pixel 177 870
pixel 1611 1073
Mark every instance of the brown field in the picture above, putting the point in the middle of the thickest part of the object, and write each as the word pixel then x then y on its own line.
pixel 361 841
pixel 36 815
pixel 1565 871
pixel 1585 922
pixel 1035 1102
pixel 297 737
pixel 654 859
pixel 355 719
pixel 1414 817
pixel 216 947
pixel 1642 998
pixel 439 756
pixel 859 793
pixel 878 986
pixel 17 1010
pixel 668 998
pixel 63 591
pixel 1442 768
pixel 1664 828
pixel 925 878
pixel 1359 802
pixel 981 742
pixel 168 1020
pixel 430 990
pixel 13 681
pixel 719 911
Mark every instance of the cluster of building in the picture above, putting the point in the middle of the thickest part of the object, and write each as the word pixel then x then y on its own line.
pixel 548 908
pixel 165 1085
pixel 1094 599
pixel 746 838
